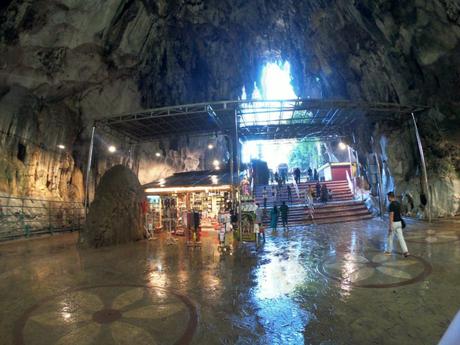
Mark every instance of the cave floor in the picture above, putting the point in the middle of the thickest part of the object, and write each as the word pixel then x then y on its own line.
pixel 327 284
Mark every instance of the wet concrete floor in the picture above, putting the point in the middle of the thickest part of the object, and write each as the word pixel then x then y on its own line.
pixel 327 284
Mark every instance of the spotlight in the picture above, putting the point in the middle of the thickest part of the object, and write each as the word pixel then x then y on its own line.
pixel 217 167
pixel 60 146
pixel 158 154
pixel 216 162
pixel 112 149
pixel 210 146
pixel 342 146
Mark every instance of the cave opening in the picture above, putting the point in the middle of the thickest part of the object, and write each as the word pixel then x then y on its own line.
pixel 276 85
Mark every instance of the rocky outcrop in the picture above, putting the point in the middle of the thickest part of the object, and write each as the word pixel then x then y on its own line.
pixel 115 215
pixel 31 163
pixel 402 168
pixel 180 154
pixel 80 60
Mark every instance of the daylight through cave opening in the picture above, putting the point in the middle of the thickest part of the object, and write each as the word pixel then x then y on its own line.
pixel 275 85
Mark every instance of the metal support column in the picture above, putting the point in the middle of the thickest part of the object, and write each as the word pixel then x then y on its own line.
pixel 232 167
pixel 358 173
pixel 237 151
pixel 379 174
pixel 88 170
pixel 425 175
pixel 353 180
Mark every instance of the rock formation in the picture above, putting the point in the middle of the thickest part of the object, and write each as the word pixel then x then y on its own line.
pixel 65 63
pixel 115 215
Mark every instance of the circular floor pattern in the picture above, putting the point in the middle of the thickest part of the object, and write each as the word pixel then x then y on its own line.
pixel 432 236
pixel 373 269
pixel 109 314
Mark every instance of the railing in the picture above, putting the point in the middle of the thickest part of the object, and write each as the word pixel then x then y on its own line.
pixel 24 217
pixel 351 184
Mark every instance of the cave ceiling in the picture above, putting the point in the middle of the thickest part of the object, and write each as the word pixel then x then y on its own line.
pixel 191 51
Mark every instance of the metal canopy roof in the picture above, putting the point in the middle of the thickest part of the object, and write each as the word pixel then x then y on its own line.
pixel 256 119
pixel 153 124
pixel 204 179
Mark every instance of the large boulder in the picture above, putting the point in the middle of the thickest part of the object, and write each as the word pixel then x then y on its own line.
pixel 115 215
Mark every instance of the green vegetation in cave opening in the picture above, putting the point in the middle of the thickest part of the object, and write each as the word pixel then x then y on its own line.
pixel 306 154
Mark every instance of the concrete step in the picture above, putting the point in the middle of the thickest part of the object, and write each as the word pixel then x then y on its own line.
pixel 332 212
pixel 302 188
pixel 294 194
pixel 331 215
pixel 301 198
pixel 311 183
pixel 326 210
pixel 340 219
pixel 302 191
pixel 301 202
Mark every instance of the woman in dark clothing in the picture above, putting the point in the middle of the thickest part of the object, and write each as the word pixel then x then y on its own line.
pixel 324 193
pixel 318 190
pixel 274 218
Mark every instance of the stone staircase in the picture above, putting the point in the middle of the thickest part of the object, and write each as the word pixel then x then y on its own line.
pixel 341 209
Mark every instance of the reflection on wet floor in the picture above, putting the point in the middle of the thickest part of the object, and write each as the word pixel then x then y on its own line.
pixel 327 284
pixel 283 319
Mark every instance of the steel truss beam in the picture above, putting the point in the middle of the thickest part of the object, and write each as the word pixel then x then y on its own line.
pixel 317 118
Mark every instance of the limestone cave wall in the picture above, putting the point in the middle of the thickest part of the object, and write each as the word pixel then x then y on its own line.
pixel 64 63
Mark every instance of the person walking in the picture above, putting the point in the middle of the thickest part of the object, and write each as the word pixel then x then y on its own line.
pixel 280 183
pixel 265 197
pixel 289 193
pixel 284 210
pixel 274 218
pixel 318 190
pixel 273 190
pixel 315 175
pixel 283 177
pixel 259 217
pixel 297 175
pixel 395 226
pixel 309 202
pixel 309 196
pixel 324 193
pixel 310 174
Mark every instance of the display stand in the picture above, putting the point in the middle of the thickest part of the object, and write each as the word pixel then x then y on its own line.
pixel 169 219
pixel 155 213
pixel 193 233
pixel 225 234
pixel 248 217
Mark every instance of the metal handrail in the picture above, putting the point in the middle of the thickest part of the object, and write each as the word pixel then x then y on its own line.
pixel 25 217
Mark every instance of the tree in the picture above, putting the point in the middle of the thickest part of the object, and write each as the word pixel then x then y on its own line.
pixel 305 155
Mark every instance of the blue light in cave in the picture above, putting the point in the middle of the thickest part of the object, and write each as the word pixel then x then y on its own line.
pixel 276 82
pixel 276 85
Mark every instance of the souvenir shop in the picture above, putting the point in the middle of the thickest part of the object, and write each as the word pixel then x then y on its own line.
pixel 187 201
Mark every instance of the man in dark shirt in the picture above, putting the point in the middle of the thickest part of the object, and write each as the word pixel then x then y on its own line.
pixel 297 175
pixel 395 226
pixel 289 194
pixel 318 190
pixel 284 209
